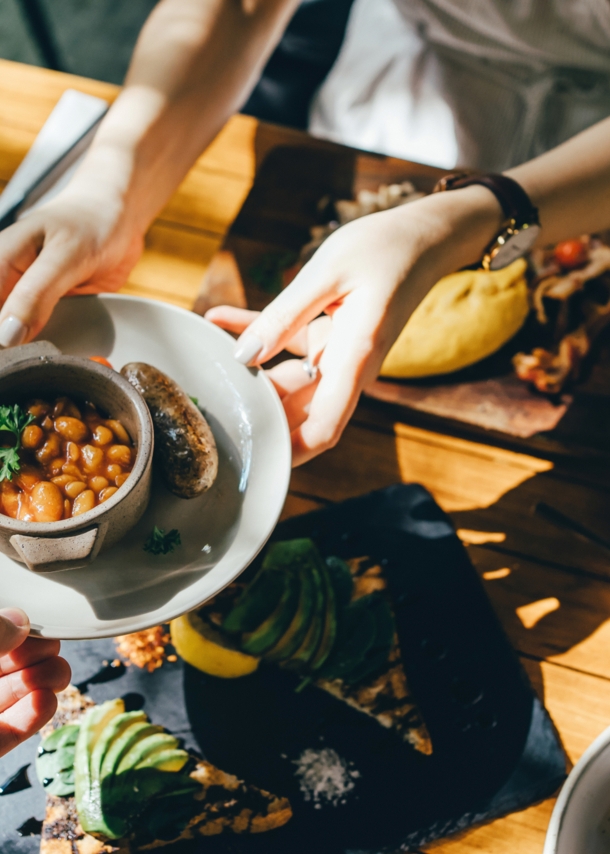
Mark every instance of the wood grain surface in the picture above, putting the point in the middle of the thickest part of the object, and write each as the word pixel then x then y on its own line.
pixel 549 585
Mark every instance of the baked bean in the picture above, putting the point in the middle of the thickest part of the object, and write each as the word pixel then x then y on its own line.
pixel 32 436
pixel 10 499
pixel 92 458
pixel 119 454
pixel 102 435
pixel 27 479
pixel 38 408
pixel 55 466
pixel 119 431
pixel 70 468
pixel 46 502
pixel 71 409
pixel 71 428
pixel 63 480
pixel 84 502
pixel 98 483
pixel 75 488
pixel 72 452
pixel 71 459
pixel 107 493
pixel 113 471
pixel 51 449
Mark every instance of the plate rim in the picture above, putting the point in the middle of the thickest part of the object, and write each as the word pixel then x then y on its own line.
pixel 560 809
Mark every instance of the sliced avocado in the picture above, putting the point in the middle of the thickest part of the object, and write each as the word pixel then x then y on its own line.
pixel 343 582
pixel 294 635
pixel 143 748
pixel 86 789
pixel 311 641
pixel 329 632
pixel 111 734
pixel 377 656
pixel 60 737
pixel 271 630
pixel 168 760
pixel 134 733
pixel 55 761
pixel 355 637
pixel 256 602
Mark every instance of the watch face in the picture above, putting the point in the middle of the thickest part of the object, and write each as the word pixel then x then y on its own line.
pixel 513 244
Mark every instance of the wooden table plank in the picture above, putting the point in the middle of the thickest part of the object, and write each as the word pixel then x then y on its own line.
pixel 573 630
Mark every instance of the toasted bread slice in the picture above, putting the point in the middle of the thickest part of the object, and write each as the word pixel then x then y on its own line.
pixel 224 803
pixel 386 696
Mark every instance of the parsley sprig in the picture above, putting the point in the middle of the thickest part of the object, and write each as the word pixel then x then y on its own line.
pixel 13 419
pixel 160 543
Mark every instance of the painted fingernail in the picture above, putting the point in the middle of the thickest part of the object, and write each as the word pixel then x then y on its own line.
pixel 247 348
pixel 12 331
pixel 16 616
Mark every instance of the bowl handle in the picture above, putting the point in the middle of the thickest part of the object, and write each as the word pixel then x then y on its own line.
pixel 37 349
pixel 52 554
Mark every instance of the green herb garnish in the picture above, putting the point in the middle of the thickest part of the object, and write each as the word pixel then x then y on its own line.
pixel 160 543
pixel 194 399
pixel 13 419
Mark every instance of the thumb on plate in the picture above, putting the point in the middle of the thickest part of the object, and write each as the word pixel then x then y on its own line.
pixel 14 629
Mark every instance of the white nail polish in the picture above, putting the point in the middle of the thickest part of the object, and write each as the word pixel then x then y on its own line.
pixel 247 348
pixel 12 331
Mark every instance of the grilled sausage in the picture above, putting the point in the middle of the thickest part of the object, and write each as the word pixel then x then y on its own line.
pixel 184 444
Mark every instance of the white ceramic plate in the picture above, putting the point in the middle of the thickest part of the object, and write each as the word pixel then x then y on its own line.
pixel 127 589
pixel 580 823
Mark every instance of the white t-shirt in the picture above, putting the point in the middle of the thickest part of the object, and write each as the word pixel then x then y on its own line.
pixel 480 83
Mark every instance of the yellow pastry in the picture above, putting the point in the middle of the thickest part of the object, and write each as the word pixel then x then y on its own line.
pixel 465 317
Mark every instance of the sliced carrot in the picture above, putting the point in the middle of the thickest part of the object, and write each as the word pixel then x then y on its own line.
pixel 101 360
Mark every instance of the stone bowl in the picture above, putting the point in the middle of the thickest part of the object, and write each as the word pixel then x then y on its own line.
pixel 41 370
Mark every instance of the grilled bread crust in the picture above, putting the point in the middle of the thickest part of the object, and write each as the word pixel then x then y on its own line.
pixel 386 697
pixel 226 803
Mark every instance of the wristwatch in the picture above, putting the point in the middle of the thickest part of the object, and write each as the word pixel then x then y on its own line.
pixel 521 227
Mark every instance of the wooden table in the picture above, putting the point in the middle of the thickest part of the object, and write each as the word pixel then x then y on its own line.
pixel 551 589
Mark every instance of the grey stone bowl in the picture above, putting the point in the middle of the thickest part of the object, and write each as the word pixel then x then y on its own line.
pixel 41 370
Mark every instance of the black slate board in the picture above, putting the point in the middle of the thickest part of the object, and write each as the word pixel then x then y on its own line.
pixel 495 748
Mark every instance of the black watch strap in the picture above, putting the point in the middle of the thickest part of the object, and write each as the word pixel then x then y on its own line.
pixel 514 201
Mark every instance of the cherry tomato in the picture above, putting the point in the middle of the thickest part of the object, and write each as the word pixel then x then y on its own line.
pixel 101 360
pixel 571 253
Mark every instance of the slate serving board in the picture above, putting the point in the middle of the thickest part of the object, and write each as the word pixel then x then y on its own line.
pixel 495 748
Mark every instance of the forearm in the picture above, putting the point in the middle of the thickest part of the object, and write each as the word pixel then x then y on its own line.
pixel 194 65
pixel 570 185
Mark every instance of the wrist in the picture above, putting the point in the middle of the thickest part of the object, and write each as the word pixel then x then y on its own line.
pixel 459 226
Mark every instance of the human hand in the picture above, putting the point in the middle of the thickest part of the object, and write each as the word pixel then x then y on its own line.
pixel 79 242
pixel 31 673
pixel 367 278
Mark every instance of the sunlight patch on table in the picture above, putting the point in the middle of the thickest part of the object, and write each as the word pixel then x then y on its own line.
pixel 533 612
pixel 495 574
pixel 591 654
pixel 461 475
pixel 479 538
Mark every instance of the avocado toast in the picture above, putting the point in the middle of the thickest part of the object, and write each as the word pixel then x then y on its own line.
pixel 329 621
pixel 117 783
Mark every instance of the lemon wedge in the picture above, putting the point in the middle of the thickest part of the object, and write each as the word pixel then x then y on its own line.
pixel 204 648
pixel 464 318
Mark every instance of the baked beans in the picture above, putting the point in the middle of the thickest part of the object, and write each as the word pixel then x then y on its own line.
pixel 71 459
